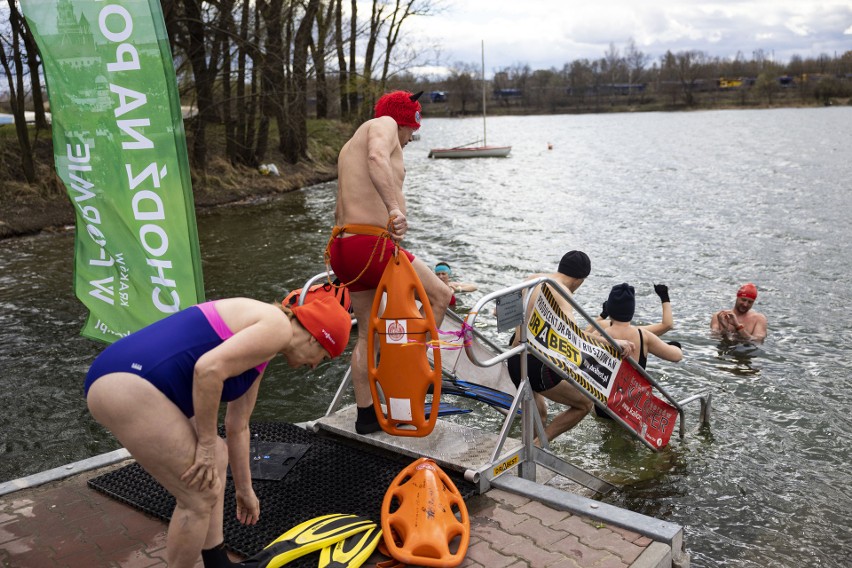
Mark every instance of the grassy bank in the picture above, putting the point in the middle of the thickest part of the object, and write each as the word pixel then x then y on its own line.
pixel 27 209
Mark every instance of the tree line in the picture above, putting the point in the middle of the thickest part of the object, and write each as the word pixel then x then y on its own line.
pixel 249 66
pixel 628 76
pixel 259 69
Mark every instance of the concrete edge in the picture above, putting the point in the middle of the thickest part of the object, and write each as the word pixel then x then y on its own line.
pixel 661 531
pixel 657 555
pixel 64 471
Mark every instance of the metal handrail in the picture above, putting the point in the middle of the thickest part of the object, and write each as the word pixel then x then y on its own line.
pixel 522 347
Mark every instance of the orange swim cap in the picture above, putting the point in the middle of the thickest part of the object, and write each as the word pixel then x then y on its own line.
pixel 747 291
pixel 327 321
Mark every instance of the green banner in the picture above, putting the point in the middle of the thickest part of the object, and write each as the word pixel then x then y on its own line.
pixel 120 149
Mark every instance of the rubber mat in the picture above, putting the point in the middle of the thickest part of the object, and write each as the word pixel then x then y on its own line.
pixel 272 460
pixel 333 476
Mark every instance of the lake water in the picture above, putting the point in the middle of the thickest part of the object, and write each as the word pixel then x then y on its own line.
pixel 701 201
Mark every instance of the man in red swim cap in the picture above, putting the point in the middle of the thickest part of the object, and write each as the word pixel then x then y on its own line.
pixel 742 323
pixel 370 219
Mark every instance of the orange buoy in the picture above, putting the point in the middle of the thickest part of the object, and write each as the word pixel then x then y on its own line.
pixel 429 524
pixel 400 367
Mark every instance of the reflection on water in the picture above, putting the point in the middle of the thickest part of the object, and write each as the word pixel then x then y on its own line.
pixel 739 358
pixel 700 201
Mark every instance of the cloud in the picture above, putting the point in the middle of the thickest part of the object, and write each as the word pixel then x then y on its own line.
pixel 551 33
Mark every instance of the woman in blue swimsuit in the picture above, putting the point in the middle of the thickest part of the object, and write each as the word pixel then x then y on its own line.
pixel 158 391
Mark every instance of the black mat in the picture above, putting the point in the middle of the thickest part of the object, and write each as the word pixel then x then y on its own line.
pixel 272 461
pixel 333 476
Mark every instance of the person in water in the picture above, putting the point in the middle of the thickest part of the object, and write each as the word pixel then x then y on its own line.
pixel 158 391
pixel 574 267
pixel 621 305
pixel 370 221
pixel 445 273
pixel 667 322
pixel 741 323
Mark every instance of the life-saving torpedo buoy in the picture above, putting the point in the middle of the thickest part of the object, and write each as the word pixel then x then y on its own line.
pixel 401 368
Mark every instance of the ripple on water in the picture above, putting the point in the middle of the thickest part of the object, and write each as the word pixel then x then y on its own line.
pixel 757 196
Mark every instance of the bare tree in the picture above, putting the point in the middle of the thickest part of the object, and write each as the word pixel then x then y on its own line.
pixel 342 71
pixel 294 135
pixel 635 61
pixel 686 67
pixel 613 63
pixel 579 80
pixel 244 132
pixel 271 72
pixel 34 63
pixel 380 38
pixel 318 48
pixel 401 12
pixel 17 90
pixel 225 32
pixel 463 86
pixel 204 74
pixel 368 94
pixel 596 69
pixel 766 86
pixel 352 83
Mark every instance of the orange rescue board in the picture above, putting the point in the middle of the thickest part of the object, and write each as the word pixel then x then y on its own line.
pixel 429 524
pixel 401 368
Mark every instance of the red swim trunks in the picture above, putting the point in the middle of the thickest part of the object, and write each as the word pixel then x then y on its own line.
pixel 348 257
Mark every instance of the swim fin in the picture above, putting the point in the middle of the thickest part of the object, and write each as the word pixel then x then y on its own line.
pixel 446 409
pixel 481 393
pixel 353 551
pixel 308 537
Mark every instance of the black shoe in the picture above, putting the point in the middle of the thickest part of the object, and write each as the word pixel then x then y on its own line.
pixel 366 421
pixel 367 427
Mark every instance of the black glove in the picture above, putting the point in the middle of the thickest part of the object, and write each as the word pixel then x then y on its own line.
pixel 676 344
pixel 663 292
pixel 604 312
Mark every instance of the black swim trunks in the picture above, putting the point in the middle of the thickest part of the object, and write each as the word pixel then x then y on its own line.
pixel 542 378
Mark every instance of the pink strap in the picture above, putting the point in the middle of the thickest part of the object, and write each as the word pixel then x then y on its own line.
pixel 220 327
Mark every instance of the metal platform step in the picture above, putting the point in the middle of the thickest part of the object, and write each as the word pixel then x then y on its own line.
pixel 465 450
pixel 452 446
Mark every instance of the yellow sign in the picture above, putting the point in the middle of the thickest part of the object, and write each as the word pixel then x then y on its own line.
pixel 554 341
pixel 506 465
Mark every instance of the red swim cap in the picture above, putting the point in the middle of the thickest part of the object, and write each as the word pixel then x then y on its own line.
pixel 747 291
pixel 327 321
pixel 401 106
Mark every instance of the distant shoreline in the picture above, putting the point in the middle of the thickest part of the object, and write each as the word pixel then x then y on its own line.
pixel 27 210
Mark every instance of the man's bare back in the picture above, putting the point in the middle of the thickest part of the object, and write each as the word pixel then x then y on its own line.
pixel 371 174
pixel 369 192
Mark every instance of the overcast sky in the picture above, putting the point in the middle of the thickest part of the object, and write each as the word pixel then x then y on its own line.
pixel 550 33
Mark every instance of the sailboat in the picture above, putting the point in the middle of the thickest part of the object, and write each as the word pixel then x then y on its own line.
pixel 467 150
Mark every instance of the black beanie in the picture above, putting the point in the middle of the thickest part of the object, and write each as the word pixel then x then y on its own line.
pixel 575 264
pixel 621 303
